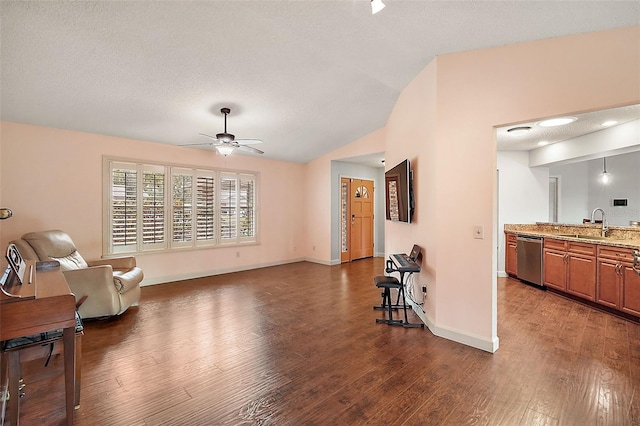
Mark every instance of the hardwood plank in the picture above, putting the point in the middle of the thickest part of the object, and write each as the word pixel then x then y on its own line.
pixel 298 344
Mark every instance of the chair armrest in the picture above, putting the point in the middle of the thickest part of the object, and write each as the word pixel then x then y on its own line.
pixel 121 263
pixel 96 283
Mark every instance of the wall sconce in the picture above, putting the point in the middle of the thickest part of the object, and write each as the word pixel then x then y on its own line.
pixel 5 213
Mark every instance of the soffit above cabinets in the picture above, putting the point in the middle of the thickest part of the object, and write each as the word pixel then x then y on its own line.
pixel 586 123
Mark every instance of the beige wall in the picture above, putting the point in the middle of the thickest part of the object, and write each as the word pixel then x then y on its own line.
pixel 456 162
pixel 52 179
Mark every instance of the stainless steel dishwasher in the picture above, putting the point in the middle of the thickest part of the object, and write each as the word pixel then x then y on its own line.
pixel 530 259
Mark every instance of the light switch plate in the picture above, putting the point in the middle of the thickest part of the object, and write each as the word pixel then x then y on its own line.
pixel 478 232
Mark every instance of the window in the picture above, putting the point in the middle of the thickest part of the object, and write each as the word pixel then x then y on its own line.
pixel 162 207
pixel 205 208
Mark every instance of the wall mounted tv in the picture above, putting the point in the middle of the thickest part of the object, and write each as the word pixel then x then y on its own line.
pixel 399 193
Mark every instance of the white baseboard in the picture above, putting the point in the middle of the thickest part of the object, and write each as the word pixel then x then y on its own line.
pixel 502 274
pixel 455 335
pixel 181 277
pixel 321 261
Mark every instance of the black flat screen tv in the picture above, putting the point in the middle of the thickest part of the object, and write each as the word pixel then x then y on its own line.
pixel 399 193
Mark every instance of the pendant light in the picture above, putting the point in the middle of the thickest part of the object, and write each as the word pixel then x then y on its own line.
pixel 605 177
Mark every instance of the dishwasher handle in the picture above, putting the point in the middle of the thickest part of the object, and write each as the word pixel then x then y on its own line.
pixel 529 238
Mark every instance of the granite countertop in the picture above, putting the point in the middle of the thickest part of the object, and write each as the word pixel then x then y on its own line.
pixel 622 236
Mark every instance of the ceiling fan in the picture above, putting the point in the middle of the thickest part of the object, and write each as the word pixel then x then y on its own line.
pixel 226 142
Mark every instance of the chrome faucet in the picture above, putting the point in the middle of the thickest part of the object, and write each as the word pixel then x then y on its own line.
pixel 605 225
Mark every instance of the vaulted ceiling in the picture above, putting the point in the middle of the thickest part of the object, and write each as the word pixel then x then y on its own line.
pixel 304 76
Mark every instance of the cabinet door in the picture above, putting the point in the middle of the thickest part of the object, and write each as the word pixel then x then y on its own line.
pixel 581 276
pixel 608 284
pixel 511 262
pixel 630 290
pixel 555 271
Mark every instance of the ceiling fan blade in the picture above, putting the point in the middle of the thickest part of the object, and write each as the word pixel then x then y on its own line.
pixel 197 144
pixel 248 141
pixel 209 136
pixel 250 149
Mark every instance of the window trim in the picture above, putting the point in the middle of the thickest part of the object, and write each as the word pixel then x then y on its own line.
pixel 170 170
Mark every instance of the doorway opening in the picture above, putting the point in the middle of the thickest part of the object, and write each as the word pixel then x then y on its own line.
pixel 356 219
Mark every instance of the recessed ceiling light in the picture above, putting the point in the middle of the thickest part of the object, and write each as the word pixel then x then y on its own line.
pixel 543 143
pixel 609 123
pixel 519 131
pixel 559 121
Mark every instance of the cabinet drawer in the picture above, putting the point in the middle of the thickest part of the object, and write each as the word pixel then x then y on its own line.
pixel 581 248
pixel 554 244
pixel 621 254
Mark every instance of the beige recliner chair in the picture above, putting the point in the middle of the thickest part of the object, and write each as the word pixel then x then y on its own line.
pixel 110 285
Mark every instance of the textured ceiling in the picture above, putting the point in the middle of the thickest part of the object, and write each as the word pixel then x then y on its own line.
pixel 304 76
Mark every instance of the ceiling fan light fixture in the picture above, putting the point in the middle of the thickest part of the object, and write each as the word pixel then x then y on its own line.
pixel 225 149
pixel 376 6
pixel 558 121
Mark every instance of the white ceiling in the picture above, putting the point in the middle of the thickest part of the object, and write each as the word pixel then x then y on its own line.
pixel 304 76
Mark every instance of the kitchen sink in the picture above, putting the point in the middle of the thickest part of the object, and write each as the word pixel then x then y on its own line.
pixel 584 237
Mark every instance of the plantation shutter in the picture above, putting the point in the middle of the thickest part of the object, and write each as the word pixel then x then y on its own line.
pixel 124 207
pixel 182 209
pixel 205 207
pixel 247 207
pixel 153 207
pixel 228 208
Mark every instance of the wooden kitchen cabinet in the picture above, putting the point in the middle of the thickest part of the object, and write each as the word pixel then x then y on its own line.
pixel 570 267
pixel 555 266
pixel 618 284
pixel 581 270
pixel 511 255
pixel 630 290
pixel 608 283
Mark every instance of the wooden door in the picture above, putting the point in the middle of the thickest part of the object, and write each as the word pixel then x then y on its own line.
pixel 361 206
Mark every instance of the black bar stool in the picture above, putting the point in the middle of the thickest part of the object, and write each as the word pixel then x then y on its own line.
pixel 387 283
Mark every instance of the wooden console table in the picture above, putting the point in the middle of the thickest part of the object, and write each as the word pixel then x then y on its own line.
pixel 45 304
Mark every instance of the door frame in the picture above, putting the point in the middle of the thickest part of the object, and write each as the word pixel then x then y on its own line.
pixel 346 256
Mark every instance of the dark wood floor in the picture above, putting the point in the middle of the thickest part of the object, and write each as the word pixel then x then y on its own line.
pixel 298 345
